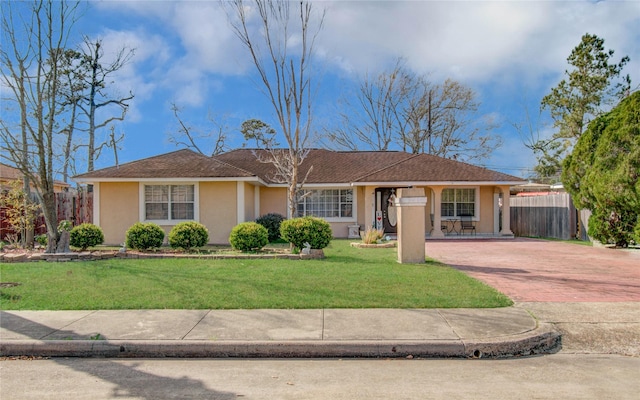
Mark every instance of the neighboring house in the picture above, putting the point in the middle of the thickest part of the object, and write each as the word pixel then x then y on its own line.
pixel 351 190
pixel 9 174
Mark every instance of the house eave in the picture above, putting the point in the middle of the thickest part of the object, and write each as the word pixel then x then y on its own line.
pixel 438 183
pixel 250 179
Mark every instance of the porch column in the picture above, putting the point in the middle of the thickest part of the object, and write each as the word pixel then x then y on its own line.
pixel 437 212
pixel 240 217
pixel 506 212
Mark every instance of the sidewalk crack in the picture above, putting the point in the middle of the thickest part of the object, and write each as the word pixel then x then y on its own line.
pixel 449 325
pixel 196 324
pixel 64 328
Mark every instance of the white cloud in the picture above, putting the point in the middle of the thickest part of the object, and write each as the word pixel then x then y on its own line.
pixel 206 37
pixel 473 41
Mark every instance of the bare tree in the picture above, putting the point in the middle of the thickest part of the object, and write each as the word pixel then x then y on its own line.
pixel 443 121
pixel 31 65
pixel 96 81
pixel 407 110
pixel 282 57
pixel 15 63
pixel 71 87
pixel 371 118
pixel 191 137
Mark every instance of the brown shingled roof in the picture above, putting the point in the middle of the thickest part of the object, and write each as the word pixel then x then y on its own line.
pixel 371 166
pixel 339 167
pixel 178 164
pixel 9 173
pixel 430 168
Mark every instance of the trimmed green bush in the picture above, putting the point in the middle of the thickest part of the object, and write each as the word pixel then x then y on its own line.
pixel 86 235
pixel 144 236
pixel 188 235
pixel 298 231
pixel 272 222
pixel 249 236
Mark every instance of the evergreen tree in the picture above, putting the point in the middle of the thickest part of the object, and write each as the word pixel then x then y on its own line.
pixel 603 173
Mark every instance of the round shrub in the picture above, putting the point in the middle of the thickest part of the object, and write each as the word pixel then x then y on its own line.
pixel 312 230
pixel 249 236
pixel 85 236
pixel 188 235
pixel 272 222
pixel 144 236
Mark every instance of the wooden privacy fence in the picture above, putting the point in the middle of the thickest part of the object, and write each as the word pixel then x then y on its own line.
pixel 551 216
pixel 76 207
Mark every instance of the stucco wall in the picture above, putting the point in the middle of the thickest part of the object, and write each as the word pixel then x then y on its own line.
pixel 249 202
pixel 273 200
pixel 119 209
pixel 218 211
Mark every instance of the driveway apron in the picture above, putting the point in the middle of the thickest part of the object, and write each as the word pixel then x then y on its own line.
pixel 540 270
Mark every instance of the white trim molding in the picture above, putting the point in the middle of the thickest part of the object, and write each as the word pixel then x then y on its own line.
pixel 142 207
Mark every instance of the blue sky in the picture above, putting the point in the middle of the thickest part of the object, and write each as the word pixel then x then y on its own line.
pixel 510 52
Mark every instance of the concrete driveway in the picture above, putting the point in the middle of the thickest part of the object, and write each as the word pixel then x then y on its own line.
pixel 530 270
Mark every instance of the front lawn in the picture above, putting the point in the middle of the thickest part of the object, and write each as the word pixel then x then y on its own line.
pixel 347 278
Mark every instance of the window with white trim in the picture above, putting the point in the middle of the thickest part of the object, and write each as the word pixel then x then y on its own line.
pixel 169 202
pixel 326 203
pixel 458 202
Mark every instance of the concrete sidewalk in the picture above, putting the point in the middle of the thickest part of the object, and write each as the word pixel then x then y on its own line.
pixel 470 333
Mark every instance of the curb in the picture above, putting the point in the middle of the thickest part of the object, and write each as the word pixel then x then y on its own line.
pixel 542 340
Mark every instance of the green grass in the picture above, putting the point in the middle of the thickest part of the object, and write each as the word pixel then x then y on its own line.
pixel 346 278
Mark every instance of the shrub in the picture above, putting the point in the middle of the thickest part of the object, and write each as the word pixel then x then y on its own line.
pixel 144 236
pixel 272 222
pixel 249 236
pixel 85 236
pixel 42 240
pixel 188 235
pixel 312 230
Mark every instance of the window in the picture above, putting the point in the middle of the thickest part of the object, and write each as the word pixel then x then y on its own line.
pixel 327 203
pixel 169 202
pixel 458 202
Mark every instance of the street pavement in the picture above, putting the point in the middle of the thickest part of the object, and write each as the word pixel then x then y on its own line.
pixel 551 377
